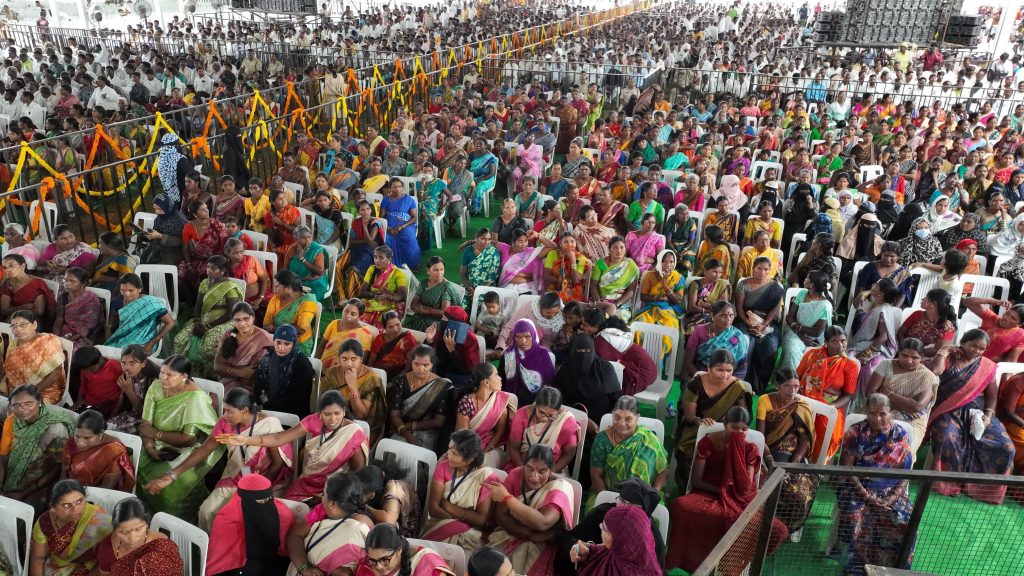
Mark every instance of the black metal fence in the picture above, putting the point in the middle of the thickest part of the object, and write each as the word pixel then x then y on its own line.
pixel 829 536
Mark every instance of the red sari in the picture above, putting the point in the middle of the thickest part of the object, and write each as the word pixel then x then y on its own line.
pixel 158 557
pixel 89 466
pixel 281 238
pixel 200 248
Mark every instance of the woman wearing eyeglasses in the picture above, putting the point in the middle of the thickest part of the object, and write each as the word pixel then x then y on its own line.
pixel 34 358
pixel 31 447
pixel 389 554
pixel 64 540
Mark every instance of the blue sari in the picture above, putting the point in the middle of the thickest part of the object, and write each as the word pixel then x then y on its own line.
pixel 317 286
pixel 481 167
pixel 404 245
pixel 138 322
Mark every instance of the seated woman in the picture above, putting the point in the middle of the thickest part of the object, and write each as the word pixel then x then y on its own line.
pixel 526 366
pixel 96 459
pixel 763 221
pixel 487 410
pixel 615 278
pixel 336 541
pixel 887 267
pixel 1005 331
pixel 615 343
pixel 33 358
pixel 703 293
pixel 1010 412
pixel 34 436
pixel 167 229
pixel 875 338
pixel 432 297
pixel 114 261
pixel 817 258
pixel 626 449
pixel 787 423
pixel 17 243
pixel 65 539
pixel 283 379
pixel 241 349
pixel 418 400
pixel 241 416
pixel 248 268
pixel 644 244
pixel 22 291
pixel 662 293
pixel 388 552
pixel 308 260
pixel 759 248
pixel 176 418
pixel 966 385
pixel 367 234
pixel 384 288
pixel 587 381
pixel 713 247
pixel 139 548
pixel 828 375
pixel 280 223
pixel 874 512
pixel 532 506
pixel 543 422
pixel 94 382
pixel 627 546
pixel 66 252
pixel 455 360
pixel 706 400
pixel 723 482
pixel 910 387
pixel 202 237
pixel 291 305
pixel 725 219
pixel 142 319
pixel 593 236
pixel 810 312
pixel 137 373
pixel 346 327
pixel 389 498
pixel 481 262
pixel 334 443
pixel 359 386
pixel 200 337
pixel 81 316
pixel 523 269
pixel 934 325
pixel 391 347
pixel 719 334
pixel 757 306
pixel 459 506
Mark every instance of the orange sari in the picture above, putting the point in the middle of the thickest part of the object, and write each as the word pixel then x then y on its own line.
pixel 89 466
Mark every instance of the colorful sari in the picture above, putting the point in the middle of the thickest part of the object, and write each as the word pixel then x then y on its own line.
pixel 82 316
pixel 89 466
pixel 719 252
pixel 643 246
pixel 72 547
pixel 244 460
pixel 594 240
pixel 138 322
pixel 707 294
pixel 389 279
pixel 561 434
pixel 280 237
pixel 566 288
pixel 31 362
pixel 525 262
pixel 371 390
pixel 201 350
pixel 80 255
pixel 874 534
pixel 739 393
pixel 232 207
pixel 662 313
pixel 466 492
pixel 158 557
pixel 200 248
pixel 485 421
pixel 900 277
pixel 433 297
pixel 334 544
pixel 641 456
pixel 33 450
pixel 248 354
pixel 731 339
pixel 482 269
pixel 1010 388
pixel 113 268
pixel 392 356
pixel 682 238
pixel 27 294
pixel 326 452
pixel 249 270
pixel 300 313
pixel 825 378
pixel 354 262
pixel 784 429
pixel 403 244
pixel 888 318
pixel 317 285
pixel 954 447
pixel 730 225
pixel 480 166
pixel 612 282
pixel 190 412
pixel 807 315
pixel 1003 340
pixel 528 557
pixel 909 384
pixel 335 335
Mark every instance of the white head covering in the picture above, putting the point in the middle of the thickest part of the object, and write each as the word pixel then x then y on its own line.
pixel 1005 243
pixel 941 222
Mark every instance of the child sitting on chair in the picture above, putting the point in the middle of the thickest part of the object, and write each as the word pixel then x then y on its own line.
pixel 490 320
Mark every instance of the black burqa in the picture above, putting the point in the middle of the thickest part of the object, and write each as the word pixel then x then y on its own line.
pixel 233 163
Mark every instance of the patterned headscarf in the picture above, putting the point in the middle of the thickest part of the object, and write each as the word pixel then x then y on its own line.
pixel 167 166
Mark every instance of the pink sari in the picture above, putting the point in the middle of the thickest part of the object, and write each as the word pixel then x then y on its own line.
pixel 535 558
pixel 560 434
pixel 330 546
pixel 468 493
pixel 326 452
pixel 256 459
pixel 486 418
pixel 640 248
pixel 525 262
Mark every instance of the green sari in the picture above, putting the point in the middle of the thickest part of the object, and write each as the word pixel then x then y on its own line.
pixel 739 393
pixel 674 161
pixel 612 282
pixel 72 547
pixel 34 449
pixel 202 349
pixel 138 321
pixel 288 315
pixel 317 286
pixel 190 412
pixel 641 456
pixel 482 269
pixel 432 297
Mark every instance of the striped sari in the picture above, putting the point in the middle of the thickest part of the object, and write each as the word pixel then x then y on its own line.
pixel 467 493
pixel 528 557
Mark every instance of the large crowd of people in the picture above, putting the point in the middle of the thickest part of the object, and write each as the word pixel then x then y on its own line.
pixel 798 239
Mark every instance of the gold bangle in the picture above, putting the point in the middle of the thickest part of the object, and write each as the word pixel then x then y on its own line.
pixel 159 434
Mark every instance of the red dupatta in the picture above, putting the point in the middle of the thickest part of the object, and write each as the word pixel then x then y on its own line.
pixel 738 488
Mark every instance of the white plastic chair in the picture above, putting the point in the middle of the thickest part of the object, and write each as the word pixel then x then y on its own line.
pixel 49 221
pixel 162 282
pixel 104 295
pixel 105 498
pixel 109 351
pixel 759 167
pixel 870 172
pixel 482 345
pixel 16 527
pixel 619 371
pixel 347 226
pixel 308 219
pixel 69 349
pixel 289 420
pixel 852 419
pixel 145 221
pixel 332 260
pixel 53 285
pixel 316 323
pixel 753 436
pixel 260 241
pixel 656 426
pixel 577 497
pixel 798 239
pixel 266 259
pixel 652 342
pixel 928 280
pixel 296 191
pixel 132 442
pixel 299 509
pixel 507 296
pixel 453 555
pixel 215 390
pixel 192 542
pixel 660 513
pixel 985 286
pixel 460 294
pixel 409 458
pixel 411 285
pixel 831 414
pixel 581 418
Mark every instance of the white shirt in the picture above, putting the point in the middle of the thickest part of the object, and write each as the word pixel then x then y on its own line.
pixel 203 83
pixel 106 97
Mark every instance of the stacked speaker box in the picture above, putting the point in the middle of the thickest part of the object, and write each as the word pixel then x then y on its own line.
pixel 965 30
pixel 828 27
pixel 893 21
pixel 288 6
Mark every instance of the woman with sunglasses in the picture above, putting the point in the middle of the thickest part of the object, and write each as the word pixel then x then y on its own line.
pixel 389 554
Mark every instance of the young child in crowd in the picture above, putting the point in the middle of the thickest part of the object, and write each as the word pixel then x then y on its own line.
pixel 490 320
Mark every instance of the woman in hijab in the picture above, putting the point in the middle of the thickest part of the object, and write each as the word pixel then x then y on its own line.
pixel 887 210
pixel 252 532
pixel 1005 243
pixel 167 229
pixel 831 207
pixel 588 381
pixel 799 209
pixel 526 366
pixel 921 246
pixel 233 163
pixel 627 546
pixel 967 229
pixel 902 229
pixel 737 199
pixel 863 241
pixel 283 380
pixel 172 166
pixel 940 216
